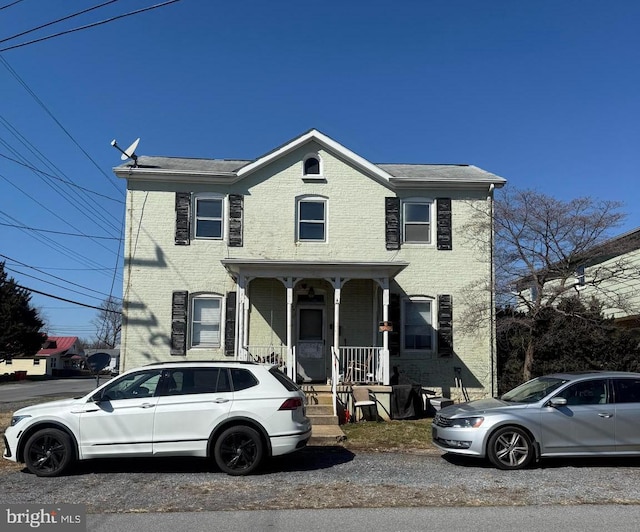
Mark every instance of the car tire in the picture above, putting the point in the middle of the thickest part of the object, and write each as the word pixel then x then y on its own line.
pixel 238 450
pixel 48 452
pixel 510 448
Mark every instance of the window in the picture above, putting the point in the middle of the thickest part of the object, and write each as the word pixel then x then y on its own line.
pixel 586 393
pixel 205 321
pixel 580 280
pixel 312 220
pixel 132 386
pixel 195 381
pixel 417 319
pixel 242 379
pixel 208 217
pixel 627 390
pixel 416 221
pixel 312 166
pixel 36 361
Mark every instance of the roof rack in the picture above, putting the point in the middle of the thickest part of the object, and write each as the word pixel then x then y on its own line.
pixel 247 362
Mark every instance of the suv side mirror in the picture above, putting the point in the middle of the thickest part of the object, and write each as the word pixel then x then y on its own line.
pixel 555 402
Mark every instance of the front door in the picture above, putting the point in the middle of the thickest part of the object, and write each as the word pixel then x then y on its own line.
pixel 310 350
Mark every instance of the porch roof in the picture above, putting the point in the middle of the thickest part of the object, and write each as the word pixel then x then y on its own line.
pixel 308 269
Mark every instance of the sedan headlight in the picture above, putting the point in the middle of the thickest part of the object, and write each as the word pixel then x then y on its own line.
pixel 467 422
pixel 17 419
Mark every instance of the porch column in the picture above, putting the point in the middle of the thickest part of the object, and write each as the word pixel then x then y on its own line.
pixel 385 334
pixel 291 363
pixel 241 348
pixel 335 349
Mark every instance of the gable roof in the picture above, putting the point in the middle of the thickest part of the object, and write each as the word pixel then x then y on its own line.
pixel 57 345
pixel 225 171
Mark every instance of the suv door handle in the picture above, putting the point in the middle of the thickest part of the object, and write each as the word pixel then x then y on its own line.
pixel 146 405
pixel 221 400
pixel 605 415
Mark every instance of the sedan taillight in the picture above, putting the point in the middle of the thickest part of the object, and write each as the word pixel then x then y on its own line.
pixel 291 404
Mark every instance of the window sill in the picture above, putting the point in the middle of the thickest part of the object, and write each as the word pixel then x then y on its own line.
pixel 314 179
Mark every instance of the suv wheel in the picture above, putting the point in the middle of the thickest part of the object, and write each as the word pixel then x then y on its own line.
pixel 510 448
pixel 238 450
pixel 48 452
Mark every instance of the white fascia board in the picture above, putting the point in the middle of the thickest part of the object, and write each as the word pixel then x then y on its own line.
pixel 155 174
pixel 322 139
pixel 426 183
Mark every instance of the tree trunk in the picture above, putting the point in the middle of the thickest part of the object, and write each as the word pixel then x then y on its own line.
pixel 528 361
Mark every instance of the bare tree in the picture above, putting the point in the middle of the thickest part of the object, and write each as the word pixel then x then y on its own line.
pixel 108 324
pixel 543 247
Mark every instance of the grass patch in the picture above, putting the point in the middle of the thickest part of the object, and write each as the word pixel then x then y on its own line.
pixel 389 435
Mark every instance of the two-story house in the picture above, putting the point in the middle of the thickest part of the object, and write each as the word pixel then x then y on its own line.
pixel 309 256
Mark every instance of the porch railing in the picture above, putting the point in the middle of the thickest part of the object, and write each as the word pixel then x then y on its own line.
pixel 269 354
pixel 360 365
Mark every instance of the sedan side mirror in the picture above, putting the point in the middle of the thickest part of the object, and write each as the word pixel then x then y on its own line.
pixel 555 402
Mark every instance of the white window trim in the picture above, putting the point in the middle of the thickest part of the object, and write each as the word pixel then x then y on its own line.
pixel 223 218
pixel 403 322
pixel 201 296
pixel 431 224
pixel 316 199
pixel 313 177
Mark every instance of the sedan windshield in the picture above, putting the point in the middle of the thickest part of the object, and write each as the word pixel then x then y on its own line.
pixel 533 390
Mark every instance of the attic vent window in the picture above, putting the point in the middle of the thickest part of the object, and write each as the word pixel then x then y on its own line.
pixel 312 167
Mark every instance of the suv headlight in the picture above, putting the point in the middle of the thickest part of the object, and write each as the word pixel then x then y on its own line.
pixel 17 419
pixel 467 422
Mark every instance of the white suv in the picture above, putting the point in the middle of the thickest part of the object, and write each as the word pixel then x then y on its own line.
pixel 236 412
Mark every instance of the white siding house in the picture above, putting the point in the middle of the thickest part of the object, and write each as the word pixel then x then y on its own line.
pixel 312 257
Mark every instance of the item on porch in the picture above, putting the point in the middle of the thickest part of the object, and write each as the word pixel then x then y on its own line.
pixel 406 401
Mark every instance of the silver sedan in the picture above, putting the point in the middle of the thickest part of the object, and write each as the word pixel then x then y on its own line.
pixel 565 414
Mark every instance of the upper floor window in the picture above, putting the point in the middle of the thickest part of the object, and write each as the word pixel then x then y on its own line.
pixel 417 324
pixel 209 215
pixel 312 166
pixel 580 279
pixel 205 321
pixel 312 219
pixel 416 221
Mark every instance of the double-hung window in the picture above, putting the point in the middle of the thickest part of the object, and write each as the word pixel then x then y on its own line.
pixel 416 221
pixel 417 320
pixel 312 220
pixel 205 321
pixel 209 215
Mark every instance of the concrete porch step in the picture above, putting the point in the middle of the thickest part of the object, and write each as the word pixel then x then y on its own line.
pixel 326 435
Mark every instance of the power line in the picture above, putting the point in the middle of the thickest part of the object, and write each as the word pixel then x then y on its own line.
pixel 66 300
pixel 58 232
pixel 88 26
pixel 9 5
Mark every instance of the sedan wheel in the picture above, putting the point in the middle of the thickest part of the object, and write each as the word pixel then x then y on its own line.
pixel 48 452
pixel 510 448
pixel 238 450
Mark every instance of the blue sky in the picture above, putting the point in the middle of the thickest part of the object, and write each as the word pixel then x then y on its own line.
pixel 544 93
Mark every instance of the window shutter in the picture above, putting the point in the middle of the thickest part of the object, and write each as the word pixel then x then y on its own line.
pixel 230 325
pixel 179 323
pixel 236 206
pixel 444 238
pixel 445 326
pixel 392 222
pixel 394 318
pixel 183 229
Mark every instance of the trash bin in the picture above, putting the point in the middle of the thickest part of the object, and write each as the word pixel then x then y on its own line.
pixel 21 375
pixel 440 402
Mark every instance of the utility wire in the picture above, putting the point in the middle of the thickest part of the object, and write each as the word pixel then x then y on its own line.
pixel 88 26
pixel 56 21
pixel 64 299
pixel 9 5
pixel 58 232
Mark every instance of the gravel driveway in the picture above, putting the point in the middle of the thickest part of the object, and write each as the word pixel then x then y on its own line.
pixel 325 477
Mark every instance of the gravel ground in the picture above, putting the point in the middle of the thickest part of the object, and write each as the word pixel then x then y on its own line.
pixel 325 477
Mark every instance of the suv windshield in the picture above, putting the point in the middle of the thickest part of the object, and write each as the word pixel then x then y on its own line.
pixel 533 390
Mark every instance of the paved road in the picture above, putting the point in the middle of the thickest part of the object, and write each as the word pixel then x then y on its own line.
pixel 490 519
pixel 14 392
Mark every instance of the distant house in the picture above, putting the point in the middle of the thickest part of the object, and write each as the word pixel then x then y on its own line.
pixel 311 257
pixel 609 272
pixel 59 355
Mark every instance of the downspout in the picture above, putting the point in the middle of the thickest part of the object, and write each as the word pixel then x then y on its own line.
pixel 492 291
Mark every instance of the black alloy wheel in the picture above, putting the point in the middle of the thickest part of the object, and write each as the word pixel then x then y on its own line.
pixel 48 452
pixel 238 450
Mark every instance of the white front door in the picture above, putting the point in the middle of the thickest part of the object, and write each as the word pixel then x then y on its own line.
pixel 310 351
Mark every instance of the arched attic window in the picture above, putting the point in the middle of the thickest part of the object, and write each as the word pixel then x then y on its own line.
pixel 312 166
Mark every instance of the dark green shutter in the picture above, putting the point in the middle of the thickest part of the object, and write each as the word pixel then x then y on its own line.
pixel 394 318
pixel 236 206
pixel 443 224
pixel 230 325
pixel 179 304
pixel 392 223
pixel 183 227
pixel 445 326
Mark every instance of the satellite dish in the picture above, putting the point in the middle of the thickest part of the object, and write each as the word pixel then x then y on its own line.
pixel 129 153
pixel 98 361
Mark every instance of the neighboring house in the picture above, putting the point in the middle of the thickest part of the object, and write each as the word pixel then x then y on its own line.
pixel 59 355
pixel 114 363
pixel 309 256
pixel 609 272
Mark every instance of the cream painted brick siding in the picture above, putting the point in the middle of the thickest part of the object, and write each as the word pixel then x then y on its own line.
pixel 355 232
